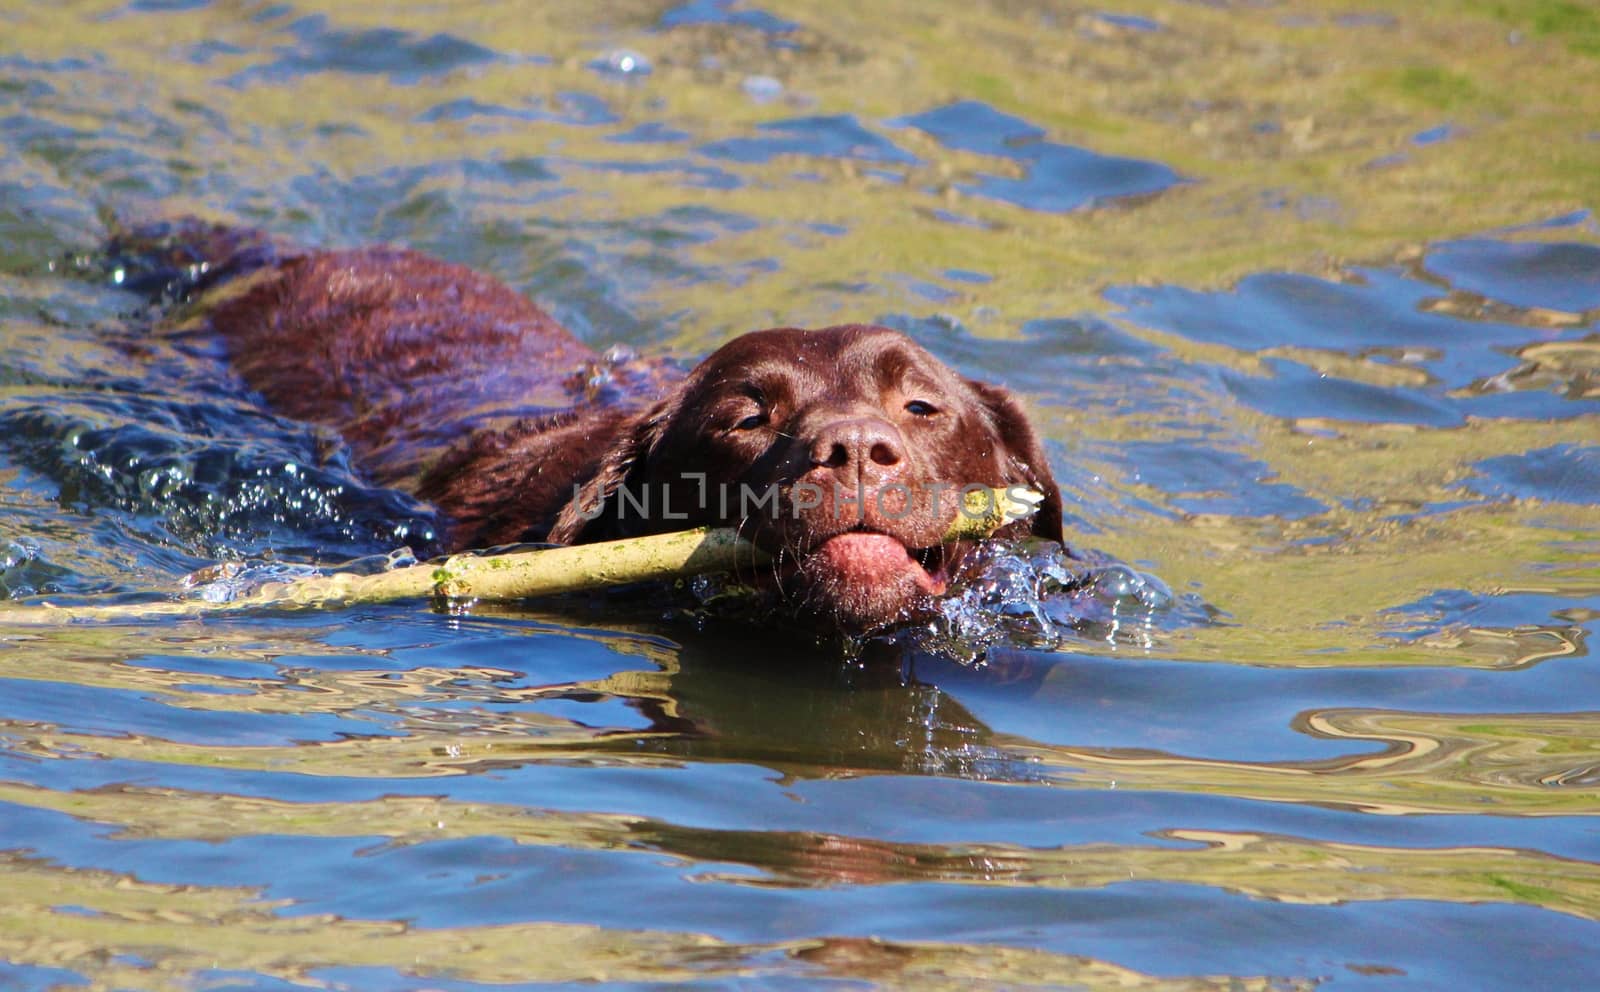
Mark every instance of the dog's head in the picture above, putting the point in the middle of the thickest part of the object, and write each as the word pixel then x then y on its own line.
pixel 841 451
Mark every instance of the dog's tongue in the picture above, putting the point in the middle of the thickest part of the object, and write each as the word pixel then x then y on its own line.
pixel 875 559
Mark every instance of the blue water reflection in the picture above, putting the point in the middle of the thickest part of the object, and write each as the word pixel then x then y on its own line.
pixel 1057 177
pixel 729 12
pixel 400 55
pixel 1555 276
pixel 1563 473
pixel 1383 317
pixel 832 136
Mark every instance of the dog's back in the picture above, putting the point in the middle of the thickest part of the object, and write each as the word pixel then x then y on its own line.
pixel 425 368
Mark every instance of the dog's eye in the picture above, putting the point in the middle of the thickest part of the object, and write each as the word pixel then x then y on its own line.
pixel 751 422
pixel 921 408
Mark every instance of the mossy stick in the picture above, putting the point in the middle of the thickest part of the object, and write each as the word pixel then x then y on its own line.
pixel 520 574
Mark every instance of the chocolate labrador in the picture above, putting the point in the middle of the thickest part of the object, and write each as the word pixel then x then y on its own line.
pixel 841 450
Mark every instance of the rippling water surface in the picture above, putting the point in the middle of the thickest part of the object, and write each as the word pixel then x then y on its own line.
pixel 1305 297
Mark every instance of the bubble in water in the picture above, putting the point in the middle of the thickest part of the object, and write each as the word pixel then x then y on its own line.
pixel 26 571
pixel 622 62
pixel 16 553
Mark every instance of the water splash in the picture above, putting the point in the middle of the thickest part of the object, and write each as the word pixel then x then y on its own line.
pixel 1035 594
pixel 177 479
pixel 229 581
pixel 24 570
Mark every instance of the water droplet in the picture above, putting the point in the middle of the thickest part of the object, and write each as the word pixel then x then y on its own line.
pixel 622 62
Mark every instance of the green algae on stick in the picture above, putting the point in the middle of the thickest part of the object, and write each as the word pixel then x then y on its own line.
pixel 522 574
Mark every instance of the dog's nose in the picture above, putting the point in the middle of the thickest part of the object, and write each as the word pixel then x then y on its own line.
pixel 868 448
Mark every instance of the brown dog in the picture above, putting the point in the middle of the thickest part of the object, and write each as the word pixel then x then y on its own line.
pixel 840 450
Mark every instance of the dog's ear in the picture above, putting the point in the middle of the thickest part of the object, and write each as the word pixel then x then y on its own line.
pixel 1027 464
pixel 592 514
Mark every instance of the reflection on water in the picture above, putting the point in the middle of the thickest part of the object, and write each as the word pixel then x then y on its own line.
pixel 1307 309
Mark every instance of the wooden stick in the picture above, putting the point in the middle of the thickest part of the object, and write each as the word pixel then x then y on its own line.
pixel 519 574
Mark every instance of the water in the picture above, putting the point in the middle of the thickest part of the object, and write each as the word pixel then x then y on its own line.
pixel 1307 307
